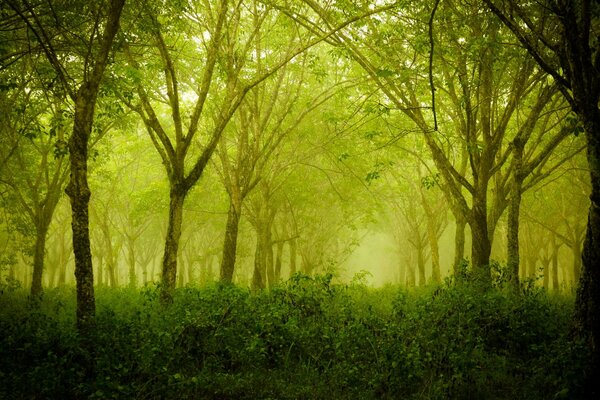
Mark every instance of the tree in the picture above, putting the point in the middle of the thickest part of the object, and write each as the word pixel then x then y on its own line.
pixel 477 82
pixel 37 169
pixel 562 37
pixel 86 34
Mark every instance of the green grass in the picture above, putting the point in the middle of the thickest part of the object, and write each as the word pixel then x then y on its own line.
pixel 308 338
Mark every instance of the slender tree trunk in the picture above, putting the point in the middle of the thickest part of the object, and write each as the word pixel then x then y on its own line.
pixel 258 277
pixel 131 259
pixel 144 273
pixel 421 265
pixel 100 278
pixel 230 243
pixel 38 257
pixel 481 246
pixel 531 262
pixel 459 244
pixel 410 276
pixel 169 265
pixel 269 259
pixel 434 248
pixel 293 257
pixel 513 217
pixel 546 271
pixel 554 272
pixel 278 256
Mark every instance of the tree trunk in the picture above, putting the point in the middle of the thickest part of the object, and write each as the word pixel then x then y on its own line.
pixel 587 304
pixel 434 248
pixel 421 266
pixel 554 272
pixel 131 259
pixel 38 258
pixel 459 244
pixel 169 265
pixel 546 271
pixel 481 246
pixel 258 277
pixel 577 262
pixel 230 244
pixel 100 277
pixel 269 261
pixel 410 276
pixel 278 257
pixel 79 195
pixel 513 255
pixel 293 257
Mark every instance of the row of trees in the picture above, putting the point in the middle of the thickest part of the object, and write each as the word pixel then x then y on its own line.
pixel 488 100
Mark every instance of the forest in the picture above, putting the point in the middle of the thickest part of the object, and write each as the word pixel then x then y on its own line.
pixel 299 199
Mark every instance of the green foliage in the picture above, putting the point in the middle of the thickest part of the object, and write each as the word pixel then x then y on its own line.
pixel 308 338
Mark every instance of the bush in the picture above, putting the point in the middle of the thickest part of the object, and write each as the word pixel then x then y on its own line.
pixel 307 338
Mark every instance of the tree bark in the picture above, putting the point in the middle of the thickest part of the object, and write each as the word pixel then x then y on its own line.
pixel 258 276
pixel 554 273
pixel 230 243
pixel 293 257
pixel 278 256
pixel 481 246
pixel 421 266
pixel 513 216
pixel 587 304
pixel 169 265
pixel 132 261
pixel 38 257
pixel 459 243
pixel 79 195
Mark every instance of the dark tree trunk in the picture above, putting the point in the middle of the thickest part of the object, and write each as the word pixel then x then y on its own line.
pixel 459 244
pixel 79 194
pixel 587 304
pixel 230 244
pixel 38 258
pixel 546 270
pixel 481 246
pixel 258 277
pixel 169 265
pixel 513 217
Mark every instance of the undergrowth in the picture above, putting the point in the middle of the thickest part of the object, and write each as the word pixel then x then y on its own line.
pixel 306 339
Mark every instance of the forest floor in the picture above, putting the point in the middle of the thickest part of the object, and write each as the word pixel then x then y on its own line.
pixel 306 339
